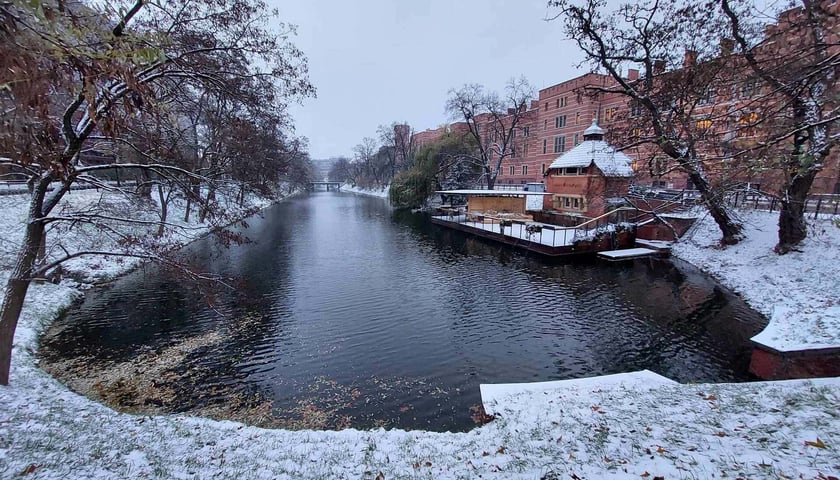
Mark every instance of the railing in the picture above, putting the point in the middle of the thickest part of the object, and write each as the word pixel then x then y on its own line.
pixel 541 233
pixel 828 204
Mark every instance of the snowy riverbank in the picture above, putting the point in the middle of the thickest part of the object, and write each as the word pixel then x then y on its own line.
pixel 799 292
pixel 372 192
pixel 584 429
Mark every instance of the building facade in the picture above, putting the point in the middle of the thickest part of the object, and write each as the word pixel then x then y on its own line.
pixel 556 120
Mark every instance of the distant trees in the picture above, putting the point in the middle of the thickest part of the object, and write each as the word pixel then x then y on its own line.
pixel 492 120
pixel 193 91
pixel 376 161
pixel 444 164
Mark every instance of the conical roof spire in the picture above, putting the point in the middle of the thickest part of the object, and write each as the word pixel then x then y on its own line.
pixel 594 132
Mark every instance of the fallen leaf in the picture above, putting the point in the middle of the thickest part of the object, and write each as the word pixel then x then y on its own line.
pixel 501 450
pixel 720 434
pixel 645 475
pixel 30 469
pixel 660 450
pixel 819 443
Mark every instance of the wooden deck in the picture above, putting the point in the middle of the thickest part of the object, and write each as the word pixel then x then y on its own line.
pixel 627 254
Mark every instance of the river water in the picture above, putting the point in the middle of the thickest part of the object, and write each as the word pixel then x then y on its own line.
pixel 348 313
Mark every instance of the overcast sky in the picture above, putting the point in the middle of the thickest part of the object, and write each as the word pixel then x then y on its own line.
pixel 379 61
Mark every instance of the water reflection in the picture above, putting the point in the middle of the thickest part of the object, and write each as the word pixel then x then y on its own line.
pixel 349 313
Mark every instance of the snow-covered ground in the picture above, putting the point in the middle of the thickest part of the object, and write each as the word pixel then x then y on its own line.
pixel 591 429
pixel 373 192
pixel 799 292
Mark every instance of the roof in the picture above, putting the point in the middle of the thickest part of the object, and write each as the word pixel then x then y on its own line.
pixel 594 129
pixel 491 193
pixel 610 161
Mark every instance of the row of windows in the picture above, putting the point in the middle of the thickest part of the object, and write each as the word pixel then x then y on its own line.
pixel 743 90
pixel 558 103
pixel 559 143
pixel 569 171
pixel 522 169
pixel 569 203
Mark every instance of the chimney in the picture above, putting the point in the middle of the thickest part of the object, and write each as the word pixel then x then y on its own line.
pixel 632 74
pixel 690 58
pixel 658 67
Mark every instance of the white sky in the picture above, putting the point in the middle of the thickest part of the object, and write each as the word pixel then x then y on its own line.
pixel 379 61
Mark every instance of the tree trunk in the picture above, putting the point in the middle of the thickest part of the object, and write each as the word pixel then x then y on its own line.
pixel 16 288
pixel 491 179
pixel 205 209
pixel 164 210
pixel 792 227
pixel 729 228
pixel 144 184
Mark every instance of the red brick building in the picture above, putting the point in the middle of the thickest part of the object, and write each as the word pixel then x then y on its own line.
pixel 590 179
pixel 556 120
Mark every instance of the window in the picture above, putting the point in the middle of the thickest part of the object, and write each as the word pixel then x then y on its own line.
pixel 577 118
pixel 577 139
pixel 526 131
pixel 562 102
pixel 512 150
pixel 559 144
pixel 544 144
pixel 746 125
pixel 545 124
pixel 572 171
pixel 636 132
pixel 568 203
pixel 635 109
pixel 610 114
pixel 543 171
pixel 512 170
pixel 545 108
pixel 558 104
pixel 513 133
pixel 560 121
pixel 524 169
pixel 708 97
pixel 704 124
pixel 477 128
pixel 748 88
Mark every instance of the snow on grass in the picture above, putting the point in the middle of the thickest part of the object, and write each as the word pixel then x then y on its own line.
pixel 590 429
pixel 799 292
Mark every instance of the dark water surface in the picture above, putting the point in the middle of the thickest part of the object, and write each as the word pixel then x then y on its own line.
pixel 372 317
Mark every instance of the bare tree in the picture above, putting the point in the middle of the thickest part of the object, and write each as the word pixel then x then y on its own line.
pixel 493 121
pixel 653 34
pixel 70 72
pixel 797 63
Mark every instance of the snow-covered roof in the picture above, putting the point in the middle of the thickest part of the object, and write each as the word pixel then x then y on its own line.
pixel 595 150
pixel 594 129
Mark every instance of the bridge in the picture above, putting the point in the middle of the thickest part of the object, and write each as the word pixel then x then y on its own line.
pixel 330 186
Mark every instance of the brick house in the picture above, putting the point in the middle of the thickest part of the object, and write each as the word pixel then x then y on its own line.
pixel 590 179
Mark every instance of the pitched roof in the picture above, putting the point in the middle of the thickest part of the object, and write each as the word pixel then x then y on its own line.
pixel 595 150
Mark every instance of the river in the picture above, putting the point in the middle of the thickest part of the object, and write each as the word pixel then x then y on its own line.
pixel 347 313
